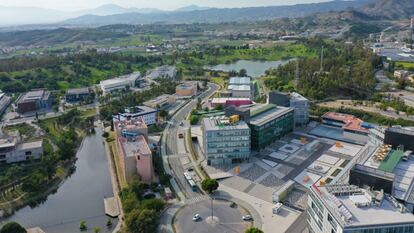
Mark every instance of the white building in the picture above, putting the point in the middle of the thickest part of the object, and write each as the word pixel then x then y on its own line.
pixel 13 150
pixel 376 135
pixel 4 102
pixel 120 83
pixel 163 72
pixel 301 106
pixel 349 209
pixel 240 87
pixel 147 114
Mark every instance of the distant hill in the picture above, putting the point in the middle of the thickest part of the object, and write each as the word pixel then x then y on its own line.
pixel 111 9
pixel 192 8
pixel 390 9
pixel 216 15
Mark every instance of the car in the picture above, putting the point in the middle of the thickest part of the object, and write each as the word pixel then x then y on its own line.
pixel 196 217
pixel 247 217
pixel 182 124
pixel 190 169
pixel 233 205
pixel 180 135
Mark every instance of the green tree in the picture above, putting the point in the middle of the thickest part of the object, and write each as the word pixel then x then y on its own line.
pixel 210 185
pixel 243 72
pixel 96 230
pixel 253 230
pixel 131 221
pixel 153 204
pixel 12 227
pixel 194 119
pixel 148 221
pixel 82 225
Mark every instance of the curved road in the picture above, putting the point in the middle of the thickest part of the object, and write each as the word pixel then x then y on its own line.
pixel 170 145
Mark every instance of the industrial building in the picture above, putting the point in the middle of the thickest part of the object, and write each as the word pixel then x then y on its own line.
pixel 35 100
pixel 133 150
pixel 240 87
pixel 293 100
pixel 163 72
pixel 5 101
pixel 13 149
pixel 147 114
pixel 121 83
pixel 78 94
pixel 225 140
pixel 162 101
pixel 342 208
pixel 267 122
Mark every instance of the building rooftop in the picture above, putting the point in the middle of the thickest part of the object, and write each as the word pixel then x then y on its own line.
pixel 225 99
pixel 138 109
pixel 223 123
pixel 30 145
pixel 403 130
pixel 135 146
pixel 126 78
pixel 34 95
pixel 239 81
pixel 262 113
pixel 350 122
pixel 74 91
pixel 298 97
pixel 239 87
pixel 356 207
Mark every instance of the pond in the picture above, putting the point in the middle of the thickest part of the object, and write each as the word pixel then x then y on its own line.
pixel 254 68
pixel 80 197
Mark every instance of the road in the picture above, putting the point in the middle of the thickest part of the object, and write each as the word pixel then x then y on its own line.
pixel 171 145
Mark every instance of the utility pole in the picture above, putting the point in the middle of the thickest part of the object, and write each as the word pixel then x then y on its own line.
pixel 321 69
pixel 212 209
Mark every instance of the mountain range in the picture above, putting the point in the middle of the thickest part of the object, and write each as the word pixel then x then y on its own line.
pixel 217 15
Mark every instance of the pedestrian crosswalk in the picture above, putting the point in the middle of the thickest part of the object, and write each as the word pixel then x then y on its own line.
pixel 196 199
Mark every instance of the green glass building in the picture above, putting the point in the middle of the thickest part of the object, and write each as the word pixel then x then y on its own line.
pixel 269 123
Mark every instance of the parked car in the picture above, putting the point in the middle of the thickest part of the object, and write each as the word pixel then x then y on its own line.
pixel 247 217
pixel 233 205
pixel 180 135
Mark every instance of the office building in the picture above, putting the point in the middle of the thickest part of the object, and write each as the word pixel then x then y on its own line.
pixel 225 141
pixel 163 72
pixel 348 123
pixel 350 209
pixel 134 153
pixel 240 87
pixel 376 135
pixel 147 114
pixel 397 136
pixel 35 100
pixel 293 100
pixel 122 83
pixel 13 149
pixel 5 101
pixel 267 122
pixel 162 101
pixel 78 94
pixel 301 106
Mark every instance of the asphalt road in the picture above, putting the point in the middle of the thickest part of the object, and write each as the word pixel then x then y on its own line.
pixel 171 141
pixel 230 219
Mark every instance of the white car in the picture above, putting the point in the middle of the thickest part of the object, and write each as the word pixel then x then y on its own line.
pixel 196 217
pixel 247 217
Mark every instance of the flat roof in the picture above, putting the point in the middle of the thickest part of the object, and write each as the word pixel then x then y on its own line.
pixel 30 145
pixel 239 81
pixel 265 113
pixel 297 96
pixel 391 161
pixel 81 90
pixel 239 87
pixel 33 95
pixel 225 99
pixel 135 146
pixel 222 123
pixel 350 122
pixel 344 205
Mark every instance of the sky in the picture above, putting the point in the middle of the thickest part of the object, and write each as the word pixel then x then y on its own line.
pixel 73 5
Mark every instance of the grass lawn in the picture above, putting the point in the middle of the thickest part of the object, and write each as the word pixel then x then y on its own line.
pixel 405 65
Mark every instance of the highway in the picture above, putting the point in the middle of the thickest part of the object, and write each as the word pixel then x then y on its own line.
pixel 172 146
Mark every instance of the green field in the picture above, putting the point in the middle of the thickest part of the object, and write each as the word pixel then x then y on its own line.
pixel 405 65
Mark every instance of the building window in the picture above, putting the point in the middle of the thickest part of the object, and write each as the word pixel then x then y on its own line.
pixel 28 153
pixel 139 157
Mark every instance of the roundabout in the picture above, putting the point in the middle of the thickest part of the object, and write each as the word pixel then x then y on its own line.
pixel 224 217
